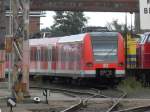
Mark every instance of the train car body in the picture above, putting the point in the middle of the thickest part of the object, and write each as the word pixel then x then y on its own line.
pixel 131 52
pixel 142 71
pixel 41 59
pixel 143 54
pixel 89 55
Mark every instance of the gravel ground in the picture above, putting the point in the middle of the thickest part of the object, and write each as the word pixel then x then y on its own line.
pixel 53 106
pixel 59 101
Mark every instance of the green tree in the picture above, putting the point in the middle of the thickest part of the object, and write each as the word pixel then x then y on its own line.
pixel 115 26
pixel 45 29
pixel 67 23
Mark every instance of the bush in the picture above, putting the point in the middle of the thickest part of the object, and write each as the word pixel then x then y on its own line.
pixel 130 85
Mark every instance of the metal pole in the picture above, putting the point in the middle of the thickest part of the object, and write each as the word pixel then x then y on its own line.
pixel 126 39
pixel 131 23
pixel 9 54
pixel 21 48
pixel 26 52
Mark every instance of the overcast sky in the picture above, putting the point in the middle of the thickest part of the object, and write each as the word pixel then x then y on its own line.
pixel 95 18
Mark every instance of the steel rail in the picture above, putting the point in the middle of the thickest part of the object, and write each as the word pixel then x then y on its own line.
pixel 82 103
pixel 100 94
pixel 65 90
pixel 74 107
pixel 116 102
pixel 135 109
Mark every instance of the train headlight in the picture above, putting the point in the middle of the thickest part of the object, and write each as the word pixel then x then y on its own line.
pixel 89 64
pixel 36 99
pixel 121 64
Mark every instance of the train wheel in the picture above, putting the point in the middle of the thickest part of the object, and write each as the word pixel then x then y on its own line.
pixel 51 79
pixel 68 80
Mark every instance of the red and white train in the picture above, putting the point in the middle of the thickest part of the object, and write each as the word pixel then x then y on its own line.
pixel 143 58
pixel 143 51
pixel 88 55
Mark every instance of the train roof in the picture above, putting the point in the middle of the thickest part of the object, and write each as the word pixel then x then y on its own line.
pixel 104 34
pixel 43 41
pixel 80 37
pixel 72 38
pixel 146 33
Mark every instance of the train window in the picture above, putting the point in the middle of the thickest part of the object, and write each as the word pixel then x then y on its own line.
pixel 46 54
pixel 59 53
pixel 42 56
pixel 142 37
pixel 7 57
pixel 69 54
pixel 36 55
pixel 53 51
pixel 145 37
pixel 49 54
pixel 54 54
pixel 32 54
pixel 62 54
pixel 65 57
pixel 66 53
pixel 105 48
pixel 72 55
pixel 149 38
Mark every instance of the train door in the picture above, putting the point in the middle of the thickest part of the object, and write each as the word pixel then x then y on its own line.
pixel 33 59
pixel 54 58
pixel 38 59
pixel 49 59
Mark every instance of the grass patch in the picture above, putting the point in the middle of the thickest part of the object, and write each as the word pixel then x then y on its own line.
pixel 130 85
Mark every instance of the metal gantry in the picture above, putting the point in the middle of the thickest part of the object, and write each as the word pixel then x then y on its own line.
pixel 20 26
pixel 86 5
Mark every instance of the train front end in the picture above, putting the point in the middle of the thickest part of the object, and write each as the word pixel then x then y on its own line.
pixel 104 55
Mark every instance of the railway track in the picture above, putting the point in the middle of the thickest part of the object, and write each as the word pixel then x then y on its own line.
pixel 115 101
pixel 84 97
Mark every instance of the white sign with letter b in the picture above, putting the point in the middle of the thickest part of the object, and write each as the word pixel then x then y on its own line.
pixel 145 14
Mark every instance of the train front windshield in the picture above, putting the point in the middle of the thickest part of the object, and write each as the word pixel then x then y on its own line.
pixel 104 47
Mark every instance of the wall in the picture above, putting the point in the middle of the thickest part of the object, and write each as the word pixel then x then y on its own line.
pixel 34 25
